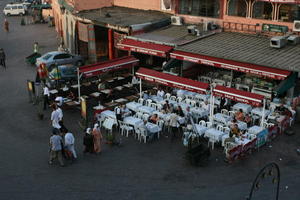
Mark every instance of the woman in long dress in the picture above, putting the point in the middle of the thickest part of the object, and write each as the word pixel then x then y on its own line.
pixel 97 138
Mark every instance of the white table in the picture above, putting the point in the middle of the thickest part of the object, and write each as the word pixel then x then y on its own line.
pixel 121 100
pixel 108 114
pixel 99 107
pixel 152 128
pixel 120 78
pixel 202 97
pixel 255 130
pixel 146 109
pixel 95 94
pixel 107 91
pixel 201 112
pixel 156 98
pixel 242 141
pixel 119 88
pixel 108 123
pixel 133 121
pixel 74 86
pixel 128 85
pixel 214 132
pixel 241 125
pixel 200 129
pixel 245 107
pixel 219 117
pixel 133 106
pixel 54 91
pixel 65 89
pixel 259 111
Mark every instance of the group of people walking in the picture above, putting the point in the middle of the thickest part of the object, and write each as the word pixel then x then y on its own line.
pixel 62 141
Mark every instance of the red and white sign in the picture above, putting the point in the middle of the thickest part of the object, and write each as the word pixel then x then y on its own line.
pixel 172 81
pixel 231 65
pixel 107 66
pixel 238 95
pixel 144 47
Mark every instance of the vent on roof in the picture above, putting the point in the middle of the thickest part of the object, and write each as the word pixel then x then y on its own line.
pixel 176 20
pixel 293 39
pixel 191 29
pixel 296 26
pixel 278 42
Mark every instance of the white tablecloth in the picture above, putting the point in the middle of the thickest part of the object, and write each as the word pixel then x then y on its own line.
pixel 245 107
pixel 133 121
pixel 241 125
pixel 219 117
pixel 146 109
pixel 108 113
pixel 133 106
pixel 156 98
pixel 201 112
pixel 255 130
pixel 242 141
pixel 152 128
pixel 200 129
pixel 214 132
pixel 259 111
pixel 108 123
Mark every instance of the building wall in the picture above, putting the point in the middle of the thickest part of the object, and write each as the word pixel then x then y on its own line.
pixel 146 4
pixel 90 4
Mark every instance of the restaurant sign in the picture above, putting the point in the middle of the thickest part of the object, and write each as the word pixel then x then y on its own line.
pixel 274 28
pixel 251 70
pixel 142 50
pixel 238 98
pixel 118 28
pixel 170 83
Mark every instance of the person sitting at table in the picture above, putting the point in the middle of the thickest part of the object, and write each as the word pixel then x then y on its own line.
pixel 125 111
pixel 160 93
pixel 71 96
pixel 135 82
pixel 145 95
pixel 235 130
pixel 233 123
pixel 188 115
pixel 248 120
pixel 205 105
pixel 179 111
pixel 154 119
pixel 239 115
pixel 230 139
pixel 167 107
pixel 223 103
pixel 173 125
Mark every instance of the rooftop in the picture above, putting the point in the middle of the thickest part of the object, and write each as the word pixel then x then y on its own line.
pixel 172 34
pixel 121 16
pixel 246 48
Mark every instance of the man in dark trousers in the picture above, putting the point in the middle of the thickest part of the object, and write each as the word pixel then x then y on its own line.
pixel 88 141
pixel 2 58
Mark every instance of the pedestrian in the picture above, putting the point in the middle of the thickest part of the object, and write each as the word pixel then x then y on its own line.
pixel 60 116
pixel 97 138
pixel 46 96
pixel 36 47
pixel 70 144
pixel 55 117
pixel 56 143
pixel 6 25
pixel 88 141
pixel 118 115
pixel 2 58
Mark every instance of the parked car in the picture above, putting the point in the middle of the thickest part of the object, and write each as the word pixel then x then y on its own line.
pixel 56 58
pixel 14 9
pixel 63 72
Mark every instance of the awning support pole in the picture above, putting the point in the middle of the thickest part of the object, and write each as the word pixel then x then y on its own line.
pixel 211 105
pixel 140 88
pixel 263 114
pixel 78 84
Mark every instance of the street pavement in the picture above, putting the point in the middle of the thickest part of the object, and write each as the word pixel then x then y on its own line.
pixel 133 171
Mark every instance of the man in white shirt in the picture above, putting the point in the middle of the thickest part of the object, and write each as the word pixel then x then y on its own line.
pixel 70 142
pixel 60 116
pixel 160 93
pixel 46 96
pixel 59 100
pixel 55 117
pixel 118 112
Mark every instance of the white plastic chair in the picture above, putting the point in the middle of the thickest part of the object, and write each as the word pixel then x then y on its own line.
pixel 167 96
pixel 231 113
pixel 226 130
pixel 224 112
pixel 220 128
pixel 208 124
pixel 122 127
pixel 146 117
pixel 159 107
pixel 193 103
pixel 143 135
pixel 179 99
pixel 139 115
pixel 153 105
pixel 212 139
pixel 141 101
pixel 173 98
pixel 128 129
pixel 187 101
pixel 202 123
pixel 148 102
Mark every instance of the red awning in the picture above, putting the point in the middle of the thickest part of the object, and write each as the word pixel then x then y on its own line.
pixel 232 65
pixel 144 47
pixel 110 65
pixel 282 1
pixel 238 95
pixel 171 80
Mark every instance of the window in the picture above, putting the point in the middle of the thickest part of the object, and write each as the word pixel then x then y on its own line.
pixel 7 8
pixel 47 56
pixel 262 10
pixel 289 13
pixel 20 7
pixel 62 56
pixel 237 8
pixel 205 8
pixel 14 7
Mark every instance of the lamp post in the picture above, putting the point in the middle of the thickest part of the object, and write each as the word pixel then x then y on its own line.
pixel 271 170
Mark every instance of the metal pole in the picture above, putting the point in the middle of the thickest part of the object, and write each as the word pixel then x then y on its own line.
pixel 78 84
pixel 263 114
pixel 140 88
pixel 211 103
